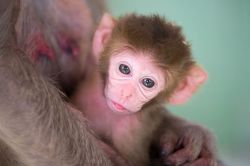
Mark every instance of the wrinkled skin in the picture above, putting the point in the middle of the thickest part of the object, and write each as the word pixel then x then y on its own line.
pixel 54 35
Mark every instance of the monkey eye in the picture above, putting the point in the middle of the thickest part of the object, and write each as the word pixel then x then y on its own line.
pixel 124 69
pixel 147 82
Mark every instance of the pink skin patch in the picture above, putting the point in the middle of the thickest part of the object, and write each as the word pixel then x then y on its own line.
pixel 41 47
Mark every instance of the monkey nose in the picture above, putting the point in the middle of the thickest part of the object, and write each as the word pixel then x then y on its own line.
pixel 127 92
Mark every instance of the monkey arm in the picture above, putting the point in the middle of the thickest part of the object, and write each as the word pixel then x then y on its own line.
pixel 180 141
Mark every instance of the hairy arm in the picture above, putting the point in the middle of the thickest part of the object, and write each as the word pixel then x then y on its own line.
pixel 182 142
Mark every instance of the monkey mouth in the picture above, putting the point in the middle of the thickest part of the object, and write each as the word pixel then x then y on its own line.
pixel 118 106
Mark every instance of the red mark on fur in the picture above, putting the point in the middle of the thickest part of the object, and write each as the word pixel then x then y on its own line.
pixel 41 48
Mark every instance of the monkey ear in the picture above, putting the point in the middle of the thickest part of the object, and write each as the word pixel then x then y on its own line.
pixel 102 34
pixel 196 77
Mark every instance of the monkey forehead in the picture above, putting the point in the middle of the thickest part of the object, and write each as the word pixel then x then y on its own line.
pixel 140 64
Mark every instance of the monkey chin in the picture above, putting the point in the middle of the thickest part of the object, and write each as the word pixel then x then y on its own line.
pixel 117 108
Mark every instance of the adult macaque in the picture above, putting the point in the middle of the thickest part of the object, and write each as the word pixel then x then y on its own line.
pixel 36 128
pixel 143 61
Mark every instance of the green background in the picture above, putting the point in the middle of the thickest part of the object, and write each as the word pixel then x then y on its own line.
pixel 219 32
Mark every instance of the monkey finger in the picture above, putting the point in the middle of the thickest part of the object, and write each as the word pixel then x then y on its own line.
pixel 203 162
pixel 206 158
pixel 177 159
pixel 167 148
pixel 186 154
pixel 168 144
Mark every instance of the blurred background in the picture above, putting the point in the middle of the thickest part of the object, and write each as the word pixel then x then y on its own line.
pixel 219 32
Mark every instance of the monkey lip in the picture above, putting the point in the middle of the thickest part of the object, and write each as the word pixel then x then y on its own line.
pixel 118 106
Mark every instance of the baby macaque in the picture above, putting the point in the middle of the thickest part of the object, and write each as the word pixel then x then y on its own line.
pixel 140 64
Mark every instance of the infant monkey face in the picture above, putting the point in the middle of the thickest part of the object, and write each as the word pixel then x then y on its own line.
pixel 133 80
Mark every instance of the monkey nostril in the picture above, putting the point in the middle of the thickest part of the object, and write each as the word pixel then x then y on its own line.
pixel 126 93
